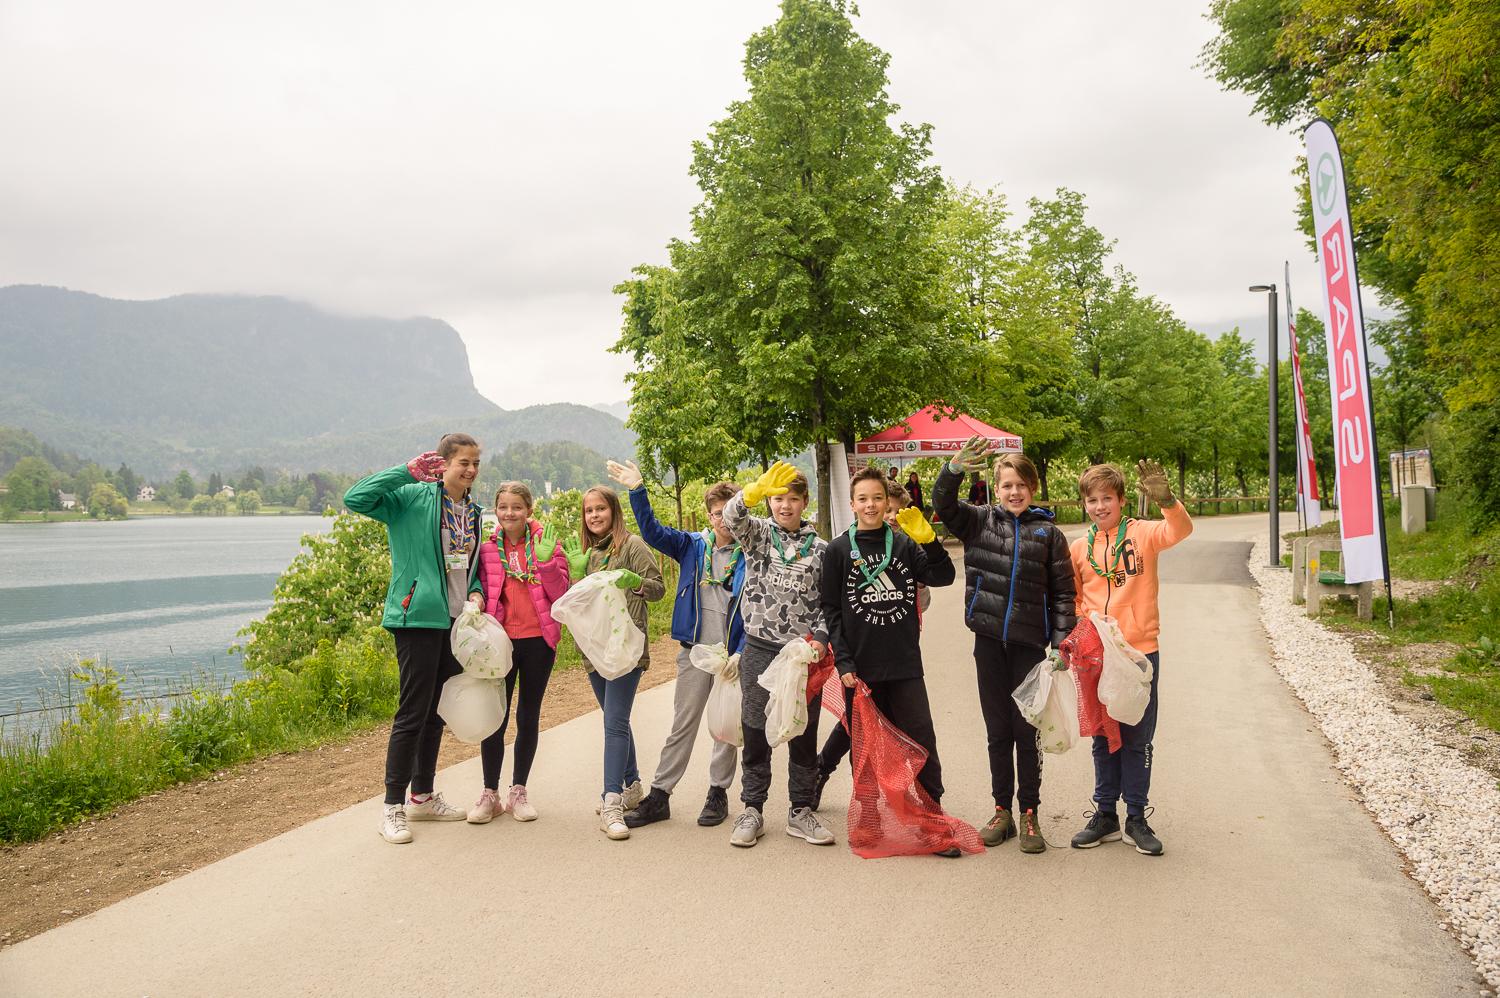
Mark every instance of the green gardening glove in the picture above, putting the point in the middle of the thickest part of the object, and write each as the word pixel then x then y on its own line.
pixel 1153 482
pixel 578 558
pixel 974 455
pixel 546 544
pixel 628 579
pixel 773 483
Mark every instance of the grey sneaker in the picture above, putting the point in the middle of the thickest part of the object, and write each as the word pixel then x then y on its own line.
pixel 1140 835
pixel 803 823
pixel 1103 826
pixel 633 795
pixel 748 827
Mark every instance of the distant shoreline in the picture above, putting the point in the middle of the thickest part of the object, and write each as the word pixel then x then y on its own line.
pixel 69 516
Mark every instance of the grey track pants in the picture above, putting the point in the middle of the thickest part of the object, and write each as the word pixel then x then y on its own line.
pixel 802 751
pixel 691 696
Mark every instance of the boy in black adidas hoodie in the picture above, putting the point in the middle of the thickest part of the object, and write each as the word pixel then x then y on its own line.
pixel 869 596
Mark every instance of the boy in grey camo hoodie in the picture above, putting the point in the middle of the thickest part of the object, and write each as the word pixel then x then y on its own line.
pixel 780 604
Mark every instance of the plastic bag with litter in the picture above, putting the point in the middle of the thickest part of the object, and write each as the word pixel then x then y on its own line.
pixel 595 613
pixel 480 644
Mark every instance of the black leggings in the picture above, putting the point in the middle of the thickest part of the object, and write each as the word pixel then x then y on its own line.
pixel 533 659
pixel 424 662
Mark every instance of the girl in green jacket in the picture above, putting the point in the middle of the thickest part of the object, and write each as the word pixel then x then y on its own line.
pixel 434 528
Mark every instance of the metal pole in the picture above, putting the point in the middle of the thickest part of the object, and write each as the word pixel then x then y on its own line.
pixel 1272 434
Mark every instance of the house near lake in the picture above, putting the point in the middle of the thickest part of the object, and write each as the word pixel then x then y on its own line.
pixel 67 500
pixel 146 494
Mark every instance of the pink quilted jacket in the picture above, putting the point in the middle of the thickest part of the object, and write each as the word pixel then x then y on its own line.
pixel 554 582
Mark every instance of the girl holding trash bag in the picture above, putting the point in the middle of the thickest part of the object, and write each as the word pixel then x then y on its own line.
pixel 523 573
pixel 433 528
pixel 1018 598
pixel 603 544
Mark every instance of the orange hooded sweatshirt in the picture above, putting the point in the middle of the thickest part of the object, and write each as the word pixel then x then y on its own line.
pixel 1129 593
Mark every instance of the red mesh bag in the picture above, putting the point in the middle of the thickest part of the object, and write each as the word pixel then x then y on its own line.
pixel 890 813
pixel 1084 653
pixel 818 675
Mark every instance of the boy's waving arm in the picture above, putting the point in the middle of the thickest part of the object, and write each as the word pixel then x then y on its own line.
pixel 931 565
pixel 1175 525
pixel 958 516
pixel 752 532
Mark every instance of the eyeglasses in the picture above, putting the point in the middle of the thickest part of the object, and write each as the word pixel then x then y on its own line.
pixel 717 514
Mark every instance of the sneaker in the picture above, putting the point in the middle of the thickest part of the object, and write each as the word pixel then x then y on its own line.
pixel 952 852
pixel 656 807
pixel 748 827
pixel 633 795
pixel 485 808
pixel 1140 835
pixel 802 823
pixel 998 829
pixel 1103 826
pixel 393 825
pixel 434 808
pixel 818 790
pixel 1031 833
pixel 518 805
pixel 612 817
pixel 715 807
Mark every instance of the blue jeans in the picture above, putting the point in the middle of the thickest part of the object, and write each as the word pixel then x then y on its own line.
pixel 1128 771
pixel 616 697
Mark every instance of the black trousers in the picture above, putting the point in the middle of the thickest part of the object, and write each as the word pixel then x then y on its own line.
pixel 1001 668
pixel 904 703
pixel 425 662
pixel 755 764
pixel 532 660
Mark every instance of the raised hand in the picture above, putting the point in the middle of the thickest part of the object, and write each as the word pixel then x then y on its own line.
pixel 773 483
pixel 578 558
pixel 1153 482
pixel 427 467
pixel 546 544
pixel 627 474
pixel 628 579
pixel 914 525
pixel 974 455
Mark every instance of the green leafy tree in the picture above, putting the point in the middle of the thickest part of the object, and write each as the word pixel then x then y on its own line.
pixel 247 501
pixel 183 484
pixel 215 483
pixel 32 484
pixel 105 501
pixel 201 505
pixel 128 481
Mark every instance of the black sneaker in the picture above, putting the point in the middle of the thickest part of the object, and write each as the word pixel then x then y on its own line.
pixel 1103 826
pixel 715 808
pixel 1140 835
pixel 949 853
pixel 817 800
pixel 655 806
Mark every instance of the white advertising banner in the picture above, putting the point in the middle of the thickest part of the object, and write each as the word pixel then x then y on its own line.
pixel 1309 504
pixel 1361 524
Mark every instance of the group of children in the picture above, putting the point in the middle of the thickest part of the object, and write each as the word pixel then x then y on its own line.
pixel 755 584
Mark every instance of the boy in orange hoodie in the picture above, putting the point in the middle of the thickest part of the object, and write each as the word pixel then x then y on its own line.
pixel 1114 573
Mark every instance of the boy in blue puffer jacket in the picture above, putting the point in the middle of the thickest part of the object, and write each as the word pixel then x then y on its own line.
pixel 711 573
pixel 1018 598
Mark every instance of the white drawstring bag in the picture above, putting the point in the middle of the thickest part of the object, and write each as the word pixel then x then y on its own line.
pixel 1125 679
pixel 595 613
pixel 786 680
pixel 480 644
pixel 472 708
pixel 724 703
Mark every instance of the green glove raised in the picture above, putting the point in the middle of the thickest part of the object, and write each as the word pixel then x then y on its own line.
pixel 578 558
pixel 546 544
pixel 628 579
pixel 1153 482
pixel 914 525
pixel 974 455
pixel 773 483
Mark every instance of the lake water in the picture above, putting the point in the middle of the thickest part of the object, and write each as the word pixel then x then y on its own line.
pixel 159 599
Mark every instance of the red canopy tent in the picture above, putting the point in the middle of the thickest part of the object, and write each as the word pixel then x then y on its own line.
pixel 936 431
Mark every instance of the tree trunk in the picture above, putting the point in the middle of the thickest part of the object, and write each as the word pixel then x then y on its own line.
pixel 1216 471
pixel 1182 465
pixel 677 494
pixel 1041 472
pixel 821 458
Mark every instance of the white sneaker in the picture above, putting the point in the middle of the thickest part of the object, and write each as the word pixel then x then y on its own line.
pixel 434 808
pixel 519 807
pixel 612 817
pixel 633 795
pixel 485 808
pixel 802 823
pixel 748 827
pixel 393 825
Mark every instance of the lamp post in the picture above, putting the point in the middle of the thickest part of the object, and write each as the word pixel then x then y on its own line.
pixel 1271 429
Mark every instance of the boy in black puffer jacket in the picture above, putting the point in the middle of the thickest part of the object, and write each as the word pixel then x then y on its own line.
pixel 1018 598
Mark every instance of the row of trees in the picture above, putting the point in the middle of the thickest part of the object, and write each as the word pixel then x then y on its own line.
pixel 1410 90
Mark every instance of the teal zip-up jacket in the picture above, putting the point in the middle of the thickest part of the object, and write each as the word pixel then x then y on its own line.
pixel 413 514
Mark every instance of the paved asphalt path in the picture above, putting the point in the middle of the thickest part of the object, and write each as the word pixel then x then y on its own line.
pixel 1275 881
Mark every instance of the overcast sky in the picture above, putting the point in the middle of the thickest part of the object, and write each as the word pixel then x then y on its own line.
pixel 502 166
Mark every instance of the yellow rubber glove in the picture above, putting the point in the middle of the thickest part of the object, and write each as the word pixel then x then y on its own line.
pixel 914 525
pixel 773 483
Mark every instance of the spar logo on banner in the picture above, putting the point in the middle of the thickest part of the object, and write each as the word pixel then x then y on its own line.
pixel 1358 482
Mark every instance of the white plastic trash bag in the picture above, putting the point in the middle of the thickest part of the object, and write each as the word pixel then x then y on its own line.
pixel 1031 695
pixel 724 704
pixel 594 612
pixel 1048 699
pixel 786 680
pixel 471 707
pixel 480 644
pixel 1125 679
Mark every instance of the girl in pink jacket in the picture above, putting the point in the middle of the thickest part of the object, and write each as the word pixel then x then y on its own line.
pixel 523 574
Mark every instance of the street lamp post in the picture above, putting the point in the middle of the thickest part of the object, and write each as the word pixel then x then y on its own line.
pixel 1271 428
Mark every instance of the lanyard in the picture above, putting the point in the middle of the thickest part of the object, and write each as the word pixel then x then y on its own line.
pixel 801 551
pixel 460 525
pixel 872 575
pixel 528 559
pixel 1117 552
pixel 708 562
